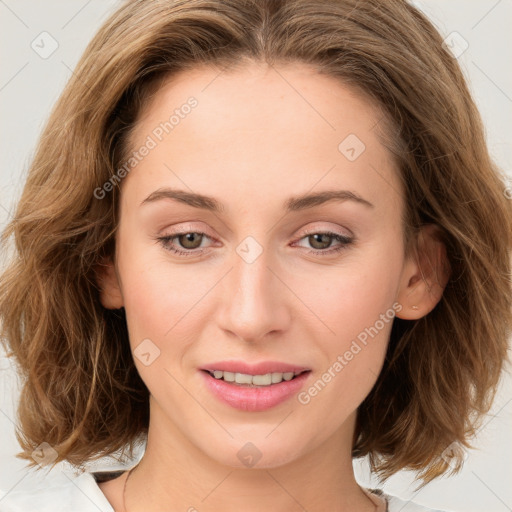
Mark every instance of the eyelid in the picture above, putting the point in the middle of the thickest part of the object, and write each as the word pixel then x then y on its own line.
pixel 323 229
pixel 187 228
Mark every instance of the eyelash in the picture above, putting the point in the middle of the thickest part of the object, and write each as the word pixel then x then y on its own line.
pixel 344 243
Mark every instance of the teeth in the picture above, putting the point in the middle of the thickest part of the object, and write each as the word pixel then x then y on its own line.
pixel 228 376
pixel 243 378
pixel 254 380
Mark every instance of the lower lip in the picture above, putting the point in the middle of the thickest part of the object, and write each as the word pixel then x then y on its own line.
pixel 254 399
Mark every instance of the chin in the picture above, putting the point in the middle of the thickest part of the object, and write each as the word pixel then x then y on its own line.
pixel 256 452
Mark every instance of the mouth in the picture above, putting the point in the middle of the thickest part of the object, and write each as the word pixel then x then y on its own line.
pixel 258 390
pixel 254 381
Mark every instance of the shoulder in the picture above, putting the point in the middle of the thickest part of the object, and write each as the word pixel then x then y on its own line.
pixel 395 504
pixel 82 494
pixel 60 493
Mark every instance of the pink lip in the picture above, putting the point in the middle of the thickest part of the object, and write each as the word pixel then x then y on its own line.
pixel 254 369
pixel 254 399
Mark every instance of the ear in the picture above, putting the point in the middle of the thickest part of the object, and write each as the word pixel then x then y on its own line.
pixel 425 274
pixel 107 279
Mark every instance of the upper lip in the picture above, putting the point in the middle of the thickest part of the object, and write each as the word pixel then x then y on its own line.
pixel 261 368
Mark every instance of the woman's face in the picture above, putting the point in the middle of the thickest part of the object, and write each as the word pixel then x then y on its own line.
pixel 260 281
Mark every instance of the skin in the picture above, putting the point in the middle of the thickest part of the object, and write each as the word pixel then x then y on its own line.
pixel 258 136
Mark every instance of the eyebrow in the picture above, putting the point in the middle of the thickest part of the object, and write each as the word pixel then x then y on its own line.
pixel 293 204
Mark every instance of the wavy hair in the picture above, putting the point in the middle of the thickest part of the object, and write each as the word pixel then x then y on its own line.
pixel 81 392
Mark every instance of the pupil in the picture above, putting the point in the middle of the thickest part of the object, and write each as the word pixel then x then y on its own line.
pixel 321 236
pixel 189 240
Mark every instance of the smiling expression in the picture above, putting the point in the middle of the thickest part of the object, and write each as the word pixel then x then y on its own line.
pixel 251 233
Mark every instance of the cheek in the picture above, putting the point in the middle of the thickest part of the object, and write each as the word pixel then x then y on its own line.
pixel 352 362
pixel 162 321
pixel 352 296
pixel 156 294
pixel 354 312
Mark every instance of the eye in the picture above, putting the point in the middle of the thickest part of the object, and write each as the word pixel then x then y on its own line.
pixel 189 240
pixel 322 240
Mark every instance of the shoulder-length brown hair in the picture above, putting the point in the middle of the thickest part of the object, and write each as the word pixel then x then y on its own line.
pixel 81 392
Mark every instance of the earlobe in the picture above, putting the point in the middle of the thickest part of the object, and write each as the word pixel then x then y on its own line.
pixel 425 275
pixel 108 283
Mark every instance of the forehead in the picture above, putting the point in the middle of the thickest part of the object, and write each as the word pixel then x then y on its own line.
pixel 258 125
pixel 263 97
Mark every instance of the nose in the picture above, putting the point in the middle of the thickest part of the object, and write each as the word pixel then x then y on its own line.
pixel 255 299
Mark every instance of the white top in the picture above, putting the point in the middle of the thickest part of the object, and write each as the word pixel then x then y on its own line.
pixel 82 494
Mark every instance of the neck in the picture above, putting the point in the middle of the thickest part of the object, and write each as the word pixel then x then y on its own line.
pixel 174 474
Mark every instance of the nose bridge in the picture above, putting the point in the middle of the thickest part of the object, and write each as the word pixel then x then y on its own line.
pixel 253 304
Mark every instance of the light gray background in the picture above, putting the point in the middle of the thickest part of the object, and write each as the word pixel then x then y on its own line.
pixel 30 84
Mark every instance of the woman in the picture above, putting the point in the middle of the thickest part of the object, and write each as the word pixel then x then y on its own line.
pixel 266 238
